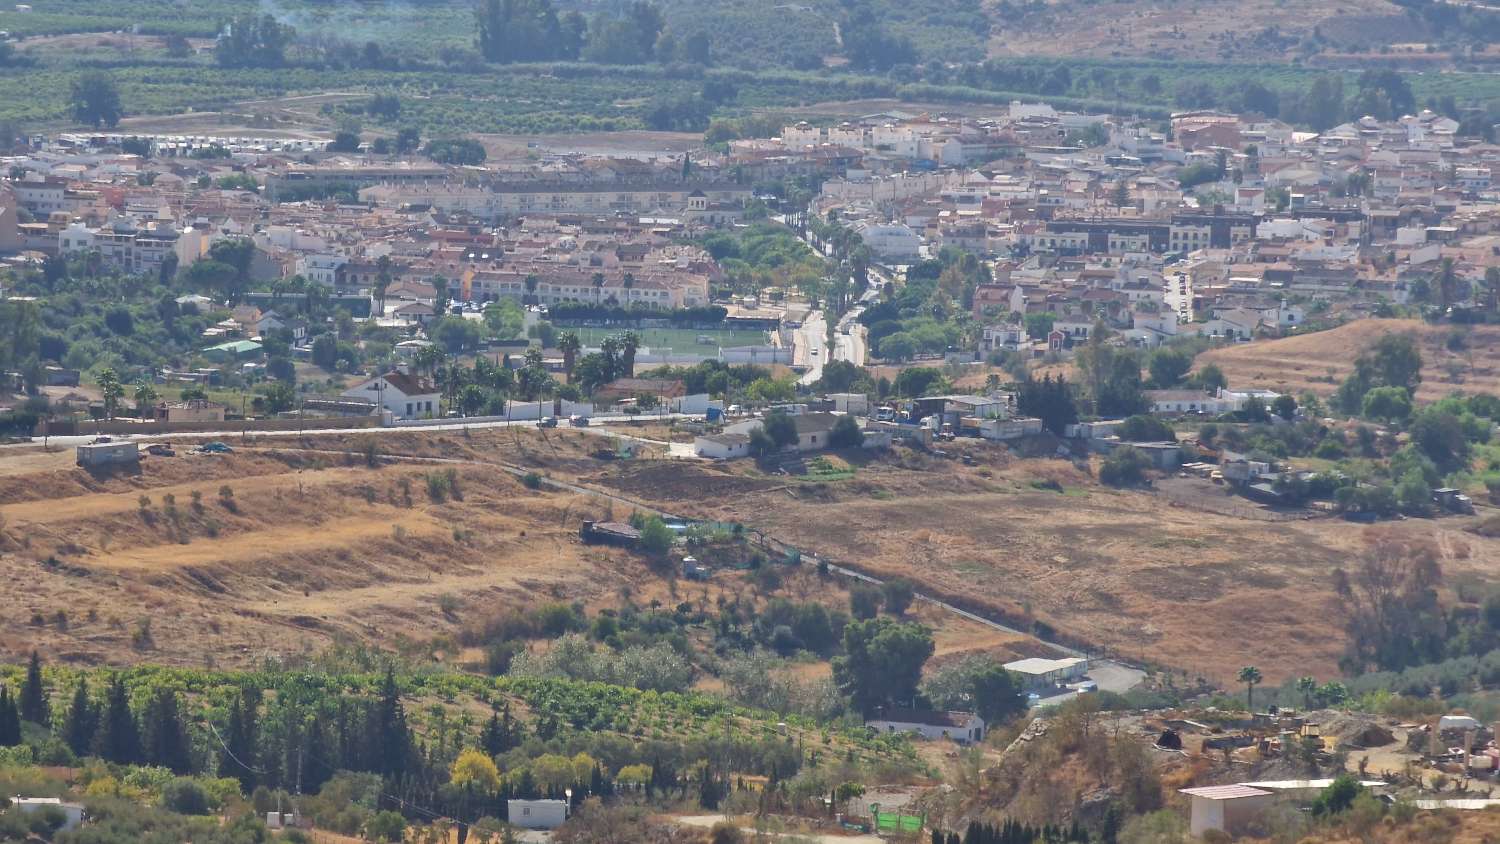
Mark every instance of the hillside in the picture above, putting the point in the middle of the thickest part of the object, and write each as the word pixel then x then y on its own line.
pixel 312 546
pixel 278 551
pixel 1259 30
pixel 1173 576
pixel 1319 361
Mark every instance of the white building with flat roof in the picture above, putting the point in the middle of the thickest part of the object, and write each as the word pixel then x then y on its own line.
pixel 1226 808
pixel 1038 671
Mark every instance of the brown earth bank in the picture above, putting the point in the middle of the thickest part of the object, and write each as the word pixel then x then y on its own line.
pixel 235 557
pixel 289 545
pixel 1321 360
pixel 1132 572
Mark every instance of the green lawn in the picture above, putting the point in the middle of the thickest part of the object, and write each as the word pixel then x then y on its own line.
pixel 681 340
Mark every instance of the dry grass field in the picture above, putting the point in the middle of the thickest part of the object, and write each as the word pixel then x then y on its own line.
pixel 1319 361
pixel 307 546
pixel 312 546
pixel 1205 589
pixel 1191 31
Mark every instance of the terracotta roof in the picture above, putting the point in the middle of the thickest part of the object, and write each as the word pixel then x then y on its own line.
pixel 407 384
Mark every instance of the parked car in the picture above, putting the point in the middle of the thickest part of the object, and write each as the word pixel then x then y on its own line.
pixel 547 422
pixel 215 447
pixel 99 440
pixel 160 450
pixel 578 421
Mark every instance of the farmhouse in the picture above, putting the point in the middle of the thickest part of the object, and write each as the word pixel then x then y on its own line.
pixel 1168 402
pixel 722 446
pixel 962 727
pixel 812 429
pixel 401 394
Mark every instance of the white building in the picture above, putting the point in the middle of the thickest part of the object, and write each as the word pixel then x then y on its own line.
pixel 1226 808
pixel 722 446
pixel 537 814
pixel 1038 671
pixel 40 196
pixel 890 241
pixel 401 394
pixel 813 429
pixel 321 268
pixel 962 727
pixel 1169 402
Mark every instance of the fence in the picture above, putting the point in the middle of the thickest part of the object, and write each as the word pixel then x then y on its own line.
pixel 896 822
pixel 65 428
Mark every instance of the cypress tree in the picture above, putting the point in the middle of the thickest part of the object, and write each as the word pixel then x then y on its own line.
pixel 166 738
pixel 490 740
pixel 708 791
pixel 230 737
pixel 10 720
pixel 34 694
pixel 119 737
pixel 391 733
pixel 500 733
pixel 82 721
pixel 316 766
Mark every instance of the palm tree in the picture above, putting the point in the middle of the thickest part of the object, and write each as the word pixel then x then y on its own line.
pixel 568 344
pixel 428 358
pixel 111 389
pixel 1446 284
pixel 628 344
pixel 1308 687
pixel 145 396
pixel 382 280
pixel 531 283
pixel 598 286
pixel 1250 675
pixel 611 349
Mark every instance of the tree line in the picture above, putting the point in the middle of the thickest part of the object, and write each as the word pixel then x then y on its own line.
pixel 532 30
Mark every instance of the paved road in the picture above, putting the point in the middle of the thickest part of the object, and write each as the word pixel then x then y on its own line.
pixel 808 346
pixel 455 425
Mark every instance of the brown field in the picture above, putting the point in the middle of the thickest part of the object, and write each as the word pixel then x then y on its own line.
pixel 1176 30
pixel 315 547
pixel 312 546
pixel 1321 360
pixel 1205 590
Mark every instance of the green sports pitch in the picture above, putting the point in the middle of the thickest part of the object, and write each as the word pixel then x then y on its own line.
pixel 678 340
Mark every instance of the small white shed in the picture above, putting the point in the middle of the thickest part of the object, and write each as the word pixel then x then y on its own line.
pixel 537 814
pixel 1227 808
